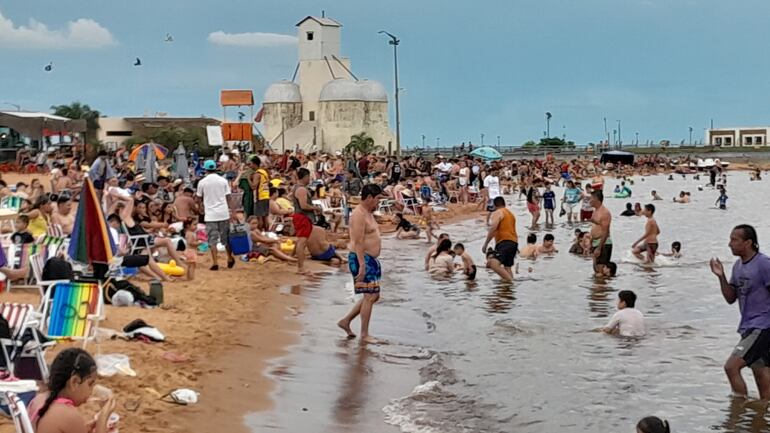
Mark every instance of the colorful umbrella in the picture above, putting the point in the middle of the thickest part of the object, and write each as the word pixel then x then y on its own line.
pixel 487 153
pixel 144 149
pixel 91 240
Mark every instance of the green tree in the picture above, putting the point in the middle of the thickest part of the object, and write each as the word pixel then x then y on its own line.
pixel 78 110
pixel 529 143
pixel 362 143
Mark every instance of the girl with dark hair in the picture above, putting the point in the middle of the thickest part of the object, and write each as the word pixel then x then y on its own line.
pixel 442 262
pixel 652 424
pixel 71 381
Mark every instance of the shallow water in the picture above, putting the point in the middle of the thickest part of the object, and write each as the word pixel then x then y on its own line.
pixel 485 356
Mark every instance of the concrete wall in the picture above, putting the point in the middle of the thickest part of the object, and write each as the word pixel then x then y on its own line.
pixel 109 125
pixel 341 119
pixel 291 113
pixel 313 75
pixel 326 41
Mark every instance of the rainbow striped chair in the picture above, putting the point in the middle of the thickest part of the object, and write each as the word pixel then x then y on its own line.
pixel 72 310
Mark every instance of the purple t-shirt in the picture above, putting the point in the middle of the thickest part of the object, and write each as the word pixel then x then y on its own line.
pixel 751 281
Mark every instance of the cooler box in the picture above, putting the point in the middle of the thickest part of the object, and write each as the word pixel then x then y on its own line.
pixel 240 241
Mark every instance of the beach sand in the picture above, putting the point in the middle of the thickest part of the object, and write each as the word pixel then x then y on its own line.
pixel 228 324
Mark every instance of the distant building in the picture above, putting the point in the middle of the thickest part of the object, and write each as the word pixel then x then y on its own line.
pixel 114 131
pixel 738 137
pixel 327 104
pixel 38 131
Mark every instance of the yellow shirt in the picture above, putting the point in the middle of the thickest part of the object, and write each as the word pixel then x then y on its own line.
pixel 38 226
pixel 284 203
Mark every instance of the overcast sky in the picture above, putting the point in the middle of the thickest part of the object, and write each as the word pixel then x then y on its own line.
pixel 491 67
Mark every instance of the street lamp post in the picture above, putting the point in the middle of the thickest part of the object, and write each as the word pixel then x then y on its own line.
pixel 637 139
pixel 482 139
pixel 691 136
pixel 423 141
pixel 498 142
pixel 548 124
pixel 395 41
pixel 620 140
pixel 438 143
pixel 606 132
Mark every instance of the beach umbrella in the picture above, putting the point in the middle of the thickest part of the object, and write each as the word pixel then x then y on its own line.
pixel 145 149
pixel 487 153
pixel 180 160
pixel 91 241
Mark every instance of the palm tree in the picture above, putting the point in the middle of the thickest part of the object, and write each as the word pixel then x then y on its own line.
pixel 362 143
pixel 78 110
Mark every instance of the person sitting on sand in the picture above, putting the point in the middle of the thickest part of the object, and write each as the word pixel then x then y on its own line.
pixel 264 245
pixel 676 248
pixel 652 424
pixel 405 229
pixel 547 247
pixel 655 195
pixel 628 321
pixel 70 383
pixel 433 248
pixel 442 261
pixel 322 250
pixel 530 250
pixel 468 267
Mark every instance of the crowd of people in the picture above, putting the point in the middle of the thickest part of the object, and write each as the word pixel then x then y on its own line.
pixel 328 202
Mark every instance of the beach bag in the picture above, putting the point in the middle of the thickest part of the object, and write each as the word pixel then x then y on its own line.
pixel 239 240
pixel 113 286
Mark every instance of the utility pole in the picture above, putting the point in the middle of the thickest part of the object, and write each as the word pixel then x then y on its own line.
pixel 482 139
pixel 395 41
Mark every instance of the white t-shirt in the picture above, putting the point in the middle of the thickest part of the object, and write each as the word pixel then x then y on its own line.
pixel 492 183
pixel 441 265
pixel 629 321
pixel 214 190
pixel 444 167
pixel 463 176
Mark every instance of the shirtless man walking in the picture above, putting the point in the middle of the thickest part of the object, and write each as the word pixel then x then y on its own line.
pixel 365 246
pixel 600 232
pixel 649 240
pixel 503 229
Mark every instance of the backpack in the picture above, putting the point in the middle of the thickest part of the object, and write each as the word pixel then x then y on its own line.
pixel 56 268
pixel 112 286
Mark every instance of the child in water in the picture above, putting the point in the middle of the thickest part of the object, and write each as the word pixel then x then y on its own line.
pixel 628 321
pixel 676 248
pixel 722 199
pixel 652 424
pixel 468 267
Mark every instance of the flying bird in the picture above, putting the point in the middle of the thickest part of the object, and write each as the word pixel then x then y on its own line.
pixel 241 115
pixel 138 62
pixel 49 67
pixel 169 38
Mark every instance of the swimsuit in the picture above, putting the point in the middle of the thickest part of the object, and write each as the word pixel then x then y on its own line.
pixel 35 416
pixel 372 275
pixel 606 255
pixel 326 255
pixel 652 248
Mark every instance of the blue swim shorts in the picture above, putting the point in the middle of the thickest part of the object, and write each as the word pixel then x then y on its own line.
pixel 371 283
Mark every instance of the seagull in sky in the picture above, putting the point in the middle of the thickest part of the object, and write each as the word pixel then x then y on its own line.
pixel 169 38
pixel 49 67
pixel 138 62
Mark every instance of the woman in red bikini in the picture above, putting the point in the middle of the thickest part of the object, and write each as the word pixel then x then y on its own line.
pixel 72 379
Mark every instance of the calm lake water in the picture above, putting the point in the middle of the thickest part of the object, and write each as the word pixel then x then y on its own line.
pixel 485 356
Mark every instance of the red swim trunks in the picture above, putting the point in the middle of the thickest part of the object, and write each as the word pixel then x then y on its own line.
pixel 302 225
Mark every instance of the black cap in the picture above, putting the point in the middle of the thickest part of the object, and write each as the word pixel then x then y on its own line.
pixel 371 189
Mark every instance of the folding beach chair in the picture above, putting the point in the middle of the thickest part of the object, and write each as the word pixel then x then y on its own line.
pixel 37 263
pixel 72 310
pixel 22 319
pixel 19 413
pixel 17 256
pixel 385 206
pixel 136 243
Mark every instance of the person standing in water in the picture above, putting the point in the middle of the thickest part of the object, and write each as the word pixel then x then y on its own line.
pixel 749 284
pixel 365 247
pixel 503 229
pixel 600 232
pixel 649 239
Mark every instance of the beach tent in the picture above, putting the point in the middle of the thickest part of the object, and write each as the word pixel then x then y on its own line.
pixel 617 156
pixel 487 153
pixel 180 163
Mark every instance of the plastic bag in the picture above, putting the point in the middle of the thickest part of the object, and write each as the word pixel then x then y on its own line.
pixel 114 363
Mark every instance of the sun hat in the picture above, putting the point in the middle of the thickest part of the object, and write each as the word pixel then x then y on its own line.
pixel 210 165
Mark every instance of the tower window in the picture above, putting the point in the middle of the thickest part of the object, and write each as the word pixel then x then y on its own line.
pixel 311 115
pixel 310 36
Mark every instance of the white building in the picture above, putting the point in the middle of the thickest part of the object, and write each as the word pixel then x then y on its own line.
pixel 738 137
pixel 327 104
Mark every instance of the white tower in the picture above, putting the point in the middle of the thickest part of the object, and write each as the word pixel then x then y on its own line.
pixel 319 60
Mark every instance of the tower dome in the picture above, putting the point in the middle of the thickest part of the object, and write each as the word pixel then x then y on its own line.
pixel 282 92
pixel 342 89
pixel 373 91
